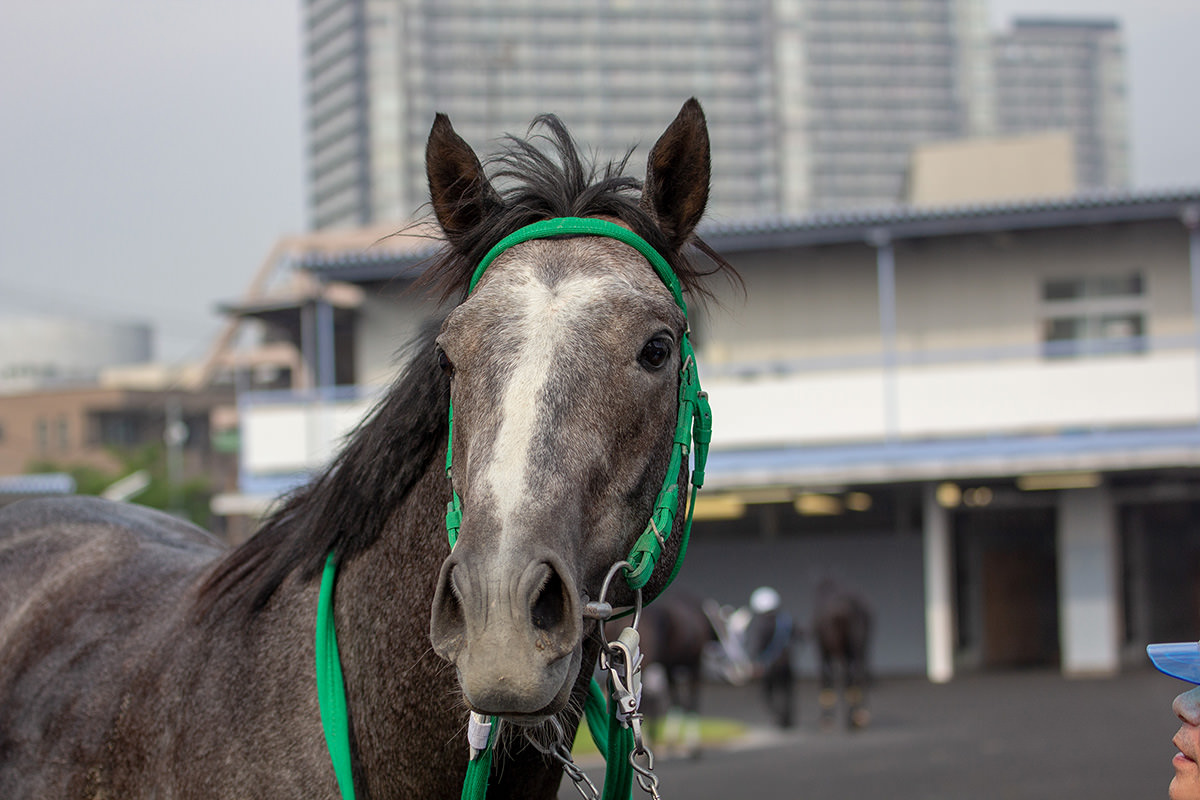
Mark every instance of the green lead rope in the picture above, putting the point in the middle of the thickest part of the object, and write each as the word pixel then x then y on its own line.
pixel 331 688
pixel 478 770
pixel 331 696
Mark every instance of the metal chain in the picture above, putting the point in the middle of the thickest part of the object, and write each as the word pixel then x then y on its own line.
pixel 560 751
pixel 645 772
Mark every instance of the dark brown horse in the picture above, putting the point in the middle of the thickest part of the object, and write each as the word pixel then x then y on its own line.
pixel 675 633
pixel 139 659
pixel 842 622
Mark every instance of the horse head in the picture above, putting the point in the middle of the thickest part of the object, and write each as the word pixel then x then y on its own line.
pixel 564 362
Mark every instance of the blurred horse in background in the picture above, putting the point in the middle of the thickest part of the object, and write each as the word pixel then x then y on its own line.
pixel 842 622
pixel 675 632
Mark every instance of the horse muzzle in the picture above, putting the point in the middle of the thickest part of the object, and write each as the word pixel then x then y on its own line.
pixel 512 626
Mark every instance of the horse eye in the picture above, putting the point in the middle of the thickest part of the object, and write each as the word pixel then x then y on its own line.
pixel 445 363
pixel 655 353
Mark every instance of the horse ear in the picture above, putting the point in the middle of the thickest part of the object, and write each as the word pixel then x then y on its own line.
pixel 459 190
pixel 677 175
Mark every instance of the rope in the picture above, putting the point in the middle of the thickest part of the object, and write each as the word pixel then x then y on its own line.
pixel 331 689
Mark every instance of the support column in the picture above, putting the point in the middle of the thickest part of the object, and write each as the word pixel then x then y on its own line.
pixel 1089 592
pixel 308 346
pixel 885 270
pixel 939 589
pixel 1191 221
pixel 326 370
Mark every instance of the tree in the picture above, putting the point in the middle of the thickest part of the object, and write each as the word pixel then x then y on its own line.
pixel 189 499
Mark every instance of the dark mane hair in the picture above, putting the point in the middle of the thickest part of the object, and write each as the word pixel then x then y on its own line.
pixel 543 176
pixel 345 508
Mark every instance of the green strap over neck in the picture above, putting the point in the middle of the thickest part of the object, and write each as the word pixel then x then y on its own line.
pixel 331 688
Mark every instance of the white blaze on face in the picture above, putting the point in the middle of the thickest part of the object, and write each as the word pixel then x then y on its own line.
pixel 543 319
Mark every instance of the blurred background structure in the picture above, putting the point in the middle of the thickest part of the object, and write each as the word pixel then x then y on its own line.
pixel 965 377
pixel 813 104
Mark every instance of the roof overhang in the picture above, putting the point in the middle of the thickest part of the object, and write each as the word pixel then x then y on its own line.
pixel 951 459
pixel 907 222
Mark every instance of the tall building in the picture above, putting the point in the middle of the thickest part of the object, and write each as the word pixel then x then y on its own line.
pixel 616 72
pixel 812 104
pixel 1068 74
pixel 881 78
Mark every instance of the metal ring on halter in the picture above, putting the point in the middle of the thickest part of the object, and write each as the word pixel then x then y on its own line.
pixel 637 604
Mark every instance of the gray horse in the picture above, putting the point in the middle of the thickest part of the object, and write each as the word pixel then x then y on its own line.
pixel 141 659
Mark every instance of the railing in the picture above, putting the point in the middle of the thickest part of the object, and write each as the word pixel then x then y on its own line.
pixel 954 393
pixel 924 396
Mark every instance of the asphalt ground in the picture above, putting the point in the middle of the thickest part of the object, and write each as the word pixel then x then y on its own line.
pixel 1028 735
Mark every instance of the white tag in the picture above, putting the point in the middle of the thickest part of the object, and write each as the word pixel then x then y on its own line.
pixel 478 731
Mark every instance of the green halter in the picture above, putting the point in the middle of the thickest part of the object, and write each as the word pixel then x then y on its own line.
pixel 693 426
pixel 693 432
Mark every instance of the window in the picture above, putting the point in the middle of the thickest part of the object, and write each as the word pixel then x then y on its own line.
pixel 42 436
pixel 1093 315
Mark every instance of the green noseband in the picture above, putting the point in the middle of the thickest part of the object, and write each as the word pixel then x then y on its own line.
pixel 693 426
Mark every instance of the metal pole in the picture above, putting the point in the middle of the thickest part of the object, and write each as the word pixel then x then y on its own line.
pixel 885 268
pixel 939 589
pixel 326 373
pixel 1191 221
pixel 174 434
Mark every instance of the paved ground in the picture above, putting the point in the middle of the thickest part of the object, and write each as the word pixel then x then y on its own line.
pixel 1026 735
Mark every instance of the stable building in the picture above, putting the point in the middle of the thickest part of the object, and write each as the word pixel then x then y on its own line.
pixel 985 418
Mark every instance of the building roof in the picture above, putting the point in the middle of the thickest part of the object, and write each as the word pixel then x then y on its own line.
pixel 1068 23
pixel 49 483
pixel 942 459
pixel 909 222
pixel 402 257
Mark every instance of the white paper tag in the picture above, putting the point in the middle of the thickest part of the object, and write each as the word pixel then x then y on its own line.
pixel 478 730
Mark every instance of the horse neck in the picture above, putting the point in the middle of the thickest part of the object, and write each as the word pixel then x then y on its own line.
pixel 404 716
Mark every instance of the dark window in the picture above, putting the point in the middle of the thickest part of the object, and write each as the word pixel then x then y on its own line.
pixel 1096 315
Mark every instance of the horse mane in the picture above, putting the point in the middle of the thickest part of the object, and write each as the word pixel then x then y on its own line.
pixel 544 176
pixel 345 508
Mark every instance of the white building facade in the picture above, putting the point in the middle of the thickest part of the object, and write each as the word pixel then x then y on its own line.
pixel 987 419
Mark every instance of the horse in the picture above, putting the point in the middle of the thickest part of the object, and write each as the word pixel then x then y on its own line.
pixel 842 621
pixel 139 658
pixel 674 634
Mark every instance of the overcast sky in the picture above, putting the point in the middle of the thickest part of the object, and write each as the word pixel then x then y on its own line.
pixel 151 150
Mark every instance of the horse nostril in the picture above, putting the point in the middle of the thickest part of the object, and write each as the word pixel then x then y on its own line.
pixel 549 608
pixel 448 624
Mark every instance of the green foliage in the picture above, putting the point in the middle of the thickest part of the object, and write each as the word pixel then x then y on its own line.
pixel 714 731
pixel 190 498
